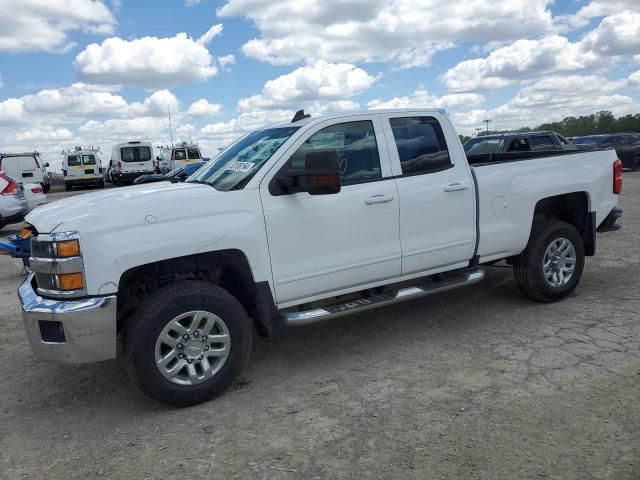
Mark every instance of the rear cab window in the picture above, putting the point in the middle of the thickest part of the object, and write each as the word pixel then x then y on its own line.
pixel 519 145
pixel 542 142
pixel 179 155
pixel 193 153
pixel 421 145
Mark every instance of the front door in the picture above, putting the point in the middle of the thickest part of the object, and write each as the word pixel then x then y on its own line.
pixel 325 243
pixel 436 191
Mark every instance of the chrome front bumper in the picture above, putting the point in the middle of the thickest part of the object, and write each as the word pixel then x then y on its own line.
pixel 84 330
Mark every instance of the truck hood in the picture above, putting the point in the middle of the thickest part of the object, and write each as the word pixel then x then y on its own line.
pixel 147 199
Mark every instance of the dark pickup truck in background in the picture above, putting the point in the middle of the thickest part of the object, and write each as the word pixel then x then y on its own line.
pixel 627 146
pixel 518 142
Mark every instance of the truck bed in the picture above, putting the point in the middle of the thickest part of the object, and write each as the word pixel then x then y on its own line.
pixel 509 185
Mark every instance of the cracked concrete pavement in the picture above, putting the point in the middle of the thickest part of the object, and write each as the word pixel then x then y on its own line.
pixel 473 383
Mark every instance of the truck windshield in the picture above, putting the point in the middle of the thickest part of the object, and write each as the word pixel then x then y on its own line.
pixel 235 166
pixel 478 146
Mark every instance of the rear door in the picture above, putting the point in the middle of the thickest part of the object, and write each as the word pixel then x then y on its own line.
pixel 136 159
pixel 436 192
pixel 74 167
pixel 325 243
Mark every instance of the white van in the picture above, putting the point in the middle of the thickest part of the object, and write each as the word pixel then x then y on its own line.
pixel 81 167
pixel 175 157
pixel 26 168
pixel 131 160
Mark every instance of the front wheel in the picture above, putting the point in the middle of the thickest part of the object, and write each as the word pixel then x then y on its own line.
pixel 551 266
pixel 187 343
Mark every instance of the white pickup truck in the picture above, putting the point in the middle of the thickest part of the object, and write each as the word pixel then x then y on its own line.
pixel 297 223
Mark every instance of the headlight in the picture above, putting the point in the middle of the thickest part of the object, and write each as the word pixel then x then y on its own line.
pixel 57 262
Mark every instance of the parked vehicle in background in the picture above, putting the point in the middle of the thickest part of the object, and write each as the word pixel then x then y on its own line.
pixel 518 142
pixel 296 223
pixel 13 205
pixel 130 160
pixel 82 167
pixel 627 146
pixel 34 195
pixel 26 167
pixel 180 174
pixel 175 157
pixel 107 172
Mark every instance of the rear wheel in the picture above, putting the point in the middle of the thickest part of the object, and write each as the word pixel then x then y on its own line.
pixel 635 165
pixel 551 266
pixel 67 187
pixel 187 343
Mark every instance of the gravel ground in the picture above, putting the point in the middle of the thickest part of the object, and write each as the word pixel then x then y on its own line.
pixel 474 383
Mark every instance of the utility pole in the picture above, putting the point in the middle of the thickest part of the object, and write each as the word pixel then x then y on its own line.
pixel 478 130
pixel 170 127
pixel 487 121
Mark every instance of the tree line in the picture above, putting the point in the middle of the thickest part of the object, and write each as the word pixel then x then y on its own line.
pixel 594 124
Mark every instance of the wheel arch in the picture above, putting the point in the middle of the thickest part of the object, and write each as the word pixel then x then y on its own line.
pixel 229 269
pixel 573 208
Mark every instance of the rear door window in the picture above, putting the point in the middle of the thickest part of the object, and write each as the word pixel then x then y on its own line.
pixel 193 153
pixel 542 142
pixel 88 160
pixel 421 145
pixel 622 140
pixel 73 160
pixel 135 154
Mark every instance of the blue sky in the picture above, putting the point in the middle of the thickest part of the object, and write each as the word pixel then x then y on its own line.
pixel 97 72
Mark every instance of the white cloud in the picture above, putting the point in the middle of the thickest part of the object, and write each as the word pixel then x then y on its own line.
pixel 552 99
pixel 524 59
pixel 192 3
pixel 597 9
pixel 406 32
pixel 226 60
pixel 148 62
pixel 421 98
pixel 44 25
pixel 320 81
pixel 214 31
pixel 202 108
pixel 157 104
pixel 44 135
pixel 616 35
pixel 634 79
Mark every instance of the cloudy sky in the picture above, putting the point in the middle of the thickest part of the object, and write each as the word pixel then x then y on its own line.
pixel 91 72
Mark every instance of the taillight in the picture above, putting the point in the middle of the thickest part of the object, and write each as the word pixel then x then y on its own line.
pixel 617 177
pixel 64 173
pixel 11 188
pixel 36 190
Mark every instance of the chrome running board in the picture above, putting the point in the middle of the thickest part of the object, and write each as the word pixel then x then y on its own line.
pixel 387 298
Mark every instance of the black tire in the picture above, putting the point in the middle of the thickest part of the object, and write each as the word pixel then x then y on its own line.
pixel 46 187
pixel 2 224
pixel 635 164
pixel 67 187
pixel 156 312
pixel 528 266
pixel 101 185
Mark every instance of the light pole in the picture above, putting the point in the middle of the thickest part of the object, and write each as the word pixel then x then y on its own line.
pixel 478 130
pixel 487 121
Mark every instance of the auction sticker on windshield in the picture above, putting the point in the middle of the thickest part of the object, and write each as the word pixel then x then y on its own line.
pixel 240 167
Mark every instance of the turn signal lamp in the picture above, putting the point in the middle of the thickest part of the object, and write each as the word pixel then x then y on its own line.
pixel 70 281
pixel 68 248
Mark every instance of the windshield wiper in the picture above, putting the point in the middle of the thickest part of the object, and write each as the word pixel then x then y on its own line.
pixel 201 182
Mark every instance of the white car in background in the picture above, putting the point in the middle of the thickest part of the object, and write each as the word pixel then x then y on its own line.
pixel 26 167
pixel 82 167
pixel 13 205
pixel 34 195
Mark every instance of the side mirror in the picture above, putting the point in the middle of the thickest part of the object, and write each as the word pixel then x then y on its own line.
pixel 46 165
pixel 321 175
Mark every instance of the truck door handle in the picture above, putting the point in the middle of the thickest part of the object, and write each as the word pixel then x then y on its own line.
pixel 378 199
pixel 454 187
